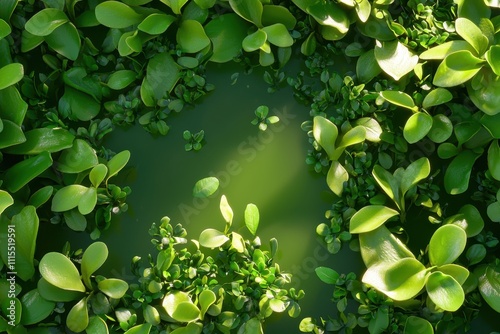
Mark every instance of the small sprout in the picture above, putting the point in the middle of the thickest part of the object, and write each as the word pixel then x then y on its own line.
pixel 194 141
pixel 262 120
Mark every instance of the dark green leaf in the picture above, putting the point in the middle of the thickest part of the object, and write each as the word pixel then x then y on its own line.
pixel 457 175
pixel 55 294
pixel 10 74
pixel 65 40
pixel 75 220
pixel 441 129
pixel 162 75
pixel 26 223
pixel 494 160
pixel 121 79
pixel 367 67
pixel 272 14
pixel 35 308
pixel 80 157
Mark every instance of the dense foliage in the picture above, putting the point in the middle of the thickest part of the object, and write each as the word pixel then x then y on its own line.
pixel 406 134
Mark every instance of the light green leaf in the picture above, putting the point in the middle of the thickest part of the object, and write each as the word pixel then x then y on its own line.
pixel 55 294
pixel 98 174
pixel 370 217
pixel 115 14
pixel 68 197
pixel 78 158
pixel 395 59
pixel 151 315
pixel 457 175
pixel 23 172
pixel 6 200
pixel 333 19
pixel 117 163
pixel 380 321
pixel 26 223
pixel 192 37
pixel 493 211
pixel 88 201
pixel 211 238
pixel 255 41
pixel 493 58
pixel 113 287
pixel 415 172
pixel 65 40
pixel 93 258
pixel 206 187
pixel 35 308
pixel 354 136
pixel 156 23
pixel 165 258
pixel 327 275
pixel 226 210
pixel 325 133
pixel 12 134
pixel 121 79
pixel 373 130
pixel 336 177
pixel 367 67
pixel 485 92
pixel 12 106
pixel 140 329
pixel 11 74
pixel 445 291
pixel 441 51
pixel 226 32
pixel 468 218
pixel 78 317
pixel 186 312
pixel 206 299
pixel 446 244
pixel 272 14
pixel 417 325
pixel 253 326
pixel 459 273
pixel 457 68
pixel 45 21
pixel 250 10
pixel 278 35
pixel 472 34
pixel 400 99
pixel 388 184
pixel 97 326
pixel 191 328
pixel 59 271
pixel 252 218
pixel 489 285
pixel 436 97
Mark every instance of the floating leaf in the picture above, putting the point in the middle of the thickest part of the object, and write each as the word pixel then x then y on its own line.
pixel 161 76
pixel 400 99
pixel 59 271
pixel 113 287
pixel 457 175
pixel 327 275
pixel 226 32
pixel 445 291
pixel 192 37
pixel 45 21
pixel 370 217
pixel 206 187
pixel 446 244
pixel 117 163
pixel 336 177
pixel 115 14
pixel 395 58
pixel 78 317
pixel 23 172
pixel 11 74
pixel 35 308
pixel 211 238
pixel 93 258
pixel 252 218
pixel 457 68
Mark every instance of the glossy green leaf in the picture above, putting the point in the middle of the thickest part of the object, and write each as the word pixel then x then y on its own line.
pixel 192 37
pixel 486 93
pixel 55 294
pixel 459 273
pixel 7 9
pixel 457 68
pixel 255 41
pixel 252 218
pixel 373 130
pixel 445 291
pixel 457 175
pixel 226 210
pixel 472 34
pixel 59 271
pixel 211 238
pixel 336 177
pixel 250 10
pixel 78 104
pixel 6 200
pixel 156 23
pixel 226 32
pixel 162 75
pixel 40 197
pixel 353 136
pixel 117 163
pixel 68 197
pixel 206 299
pixel 115 14
pixel 493 58
pixel 173 299
pixel 41 140
pixel 415 172
pixel 489 285
pixel 93 258
pixel 23 172
pixel 44 22
pixel 30 41
pixel 12 106
pixel 12 134
pixel 206 187
pixel 253 326
pixel 442 50
pixel 400 280
pixel 88 201
pixel 151 315
pixel 380 321
pixel 278 35
pixel 327 275
pixel 417 325
pixel 446 244
pixel 309 45
pixel 494 159
pixel 97 326
pixel 367 67
pixel 121 79
pixel 395 59
pixel 98 174
pixel 165 258
pixel 65 40
pixel 35 308
pixel 140 329
pixel 272 14
pixel 400 99
pixel 26 223
pixel 493 211
pixel 388 184
pixel 11 74
pixel 370 217
pixel 113 287
pixel 330 16
pixel 75 220
pixel 417 127
pixel 78 317
pixel 441 129
pixel 78 158
pixel 492 124
pixel 475 254
pixel 469 219
pixel 436 97
pixel 175 5
pixel 325 133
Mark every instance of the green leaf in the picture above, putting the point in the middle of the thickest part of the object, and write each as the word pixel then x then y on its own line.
pixel 250 10
pixel 12 107
pixel 446 244
pixel 121 79
pixel 485 94
pixel 192 37
pixel 493 58
pixel 253 326
pixel 78 317
pixel 97 325
pixel 332 18
pixel 309 45
pixel 140 329
pixel 151 315
pixel 272 14
pixel 354 136
pixel 489 285
pixel 255 41
pixel 55 294
pixel 472 34
pixel 65 40
pixel 35 308
pixel 180 307
pixel 417 325
pixel 493 211
pixel 39 197
pixel 441 129
pixel 400 99
pixel 494 159
pixel 370 217
pixel 26 223
pixel 206 187
pixel 226 210
pixel 373 130
pixel 68 197
pixel 278 35
pixel 165 258
pixel 41 140
pixel 211 238
pixel 98 174
pixel 468 218
pixel 93 258
pixel 226 32
pixel 6 200
pixel 327 275
pixel 395 59
pixel 78 104
pixel 457 68
pixel 436 97
pixel 380 322
pixel 459 273
pixel 336 177
pixel 44 22
pixel 457 175
pixel 11 74
pixel 475 254
pixel 367 67
pixel 117 163
pixel 445 291
pixel 75 220
pixel 12 134
pixel 156 23
pixel 115 14
pixel 59 271
pixel 162 75
pixel 113 287
pixel 252 218
pixel 400 280
pixel 325 133
pixel 415 172
pixel 78 158
pixel 441 51
pixel 417 127
pixel 88 201
pixel 23 172
pixel 206 299
pixel 388 184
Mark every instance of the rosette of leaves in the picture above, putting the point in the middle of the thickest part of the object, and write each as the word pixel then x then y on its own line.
pixel 61 282
pixel 262 119
pixel 194 140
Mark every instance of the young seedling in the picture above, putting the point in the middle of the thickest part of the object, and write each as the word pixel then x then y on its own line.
pixel 262 120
